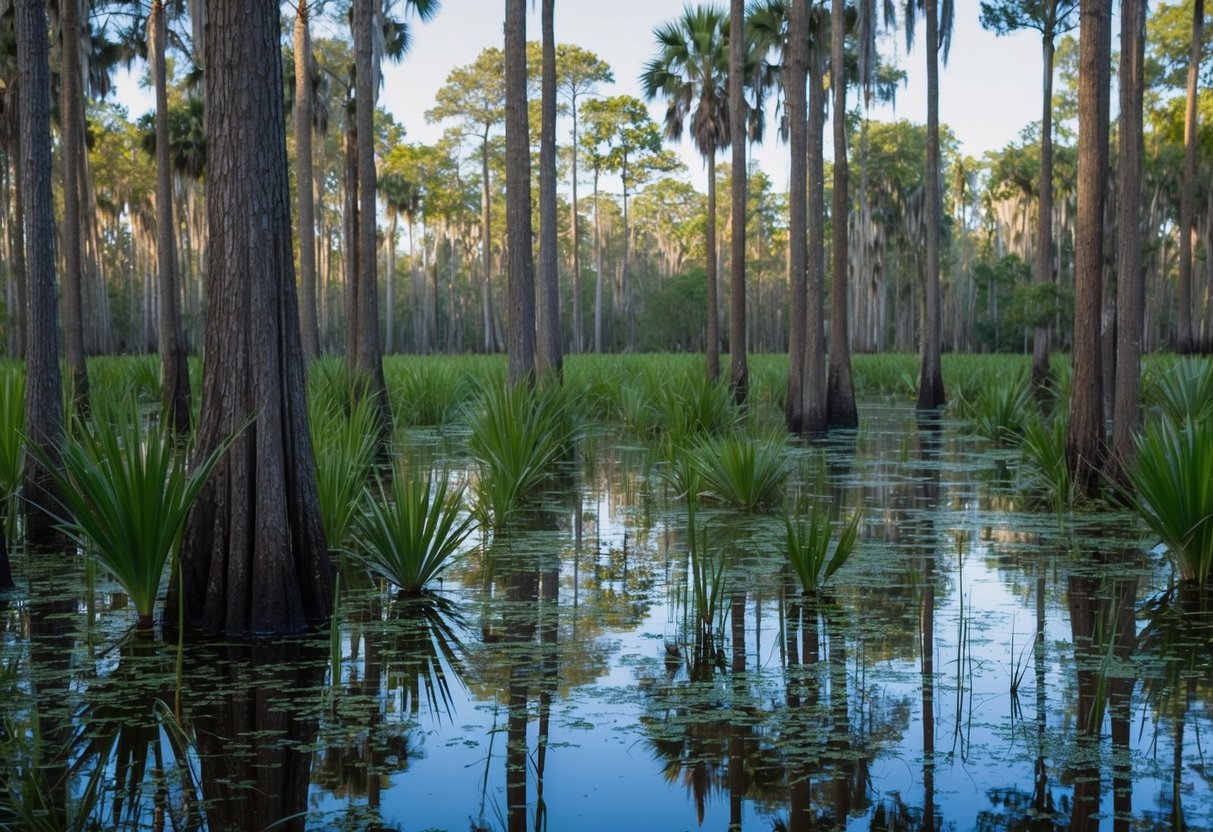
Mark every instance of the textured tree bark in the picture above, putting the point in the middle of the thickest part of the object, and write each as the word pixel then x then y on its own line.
pixel 253 555
pixel 930 381
pixel 43 382
pixel 1085 449
pixel 548 358
pixel 304 182
pixel 797 109
pixel 1044 221
pixel 739 373
pixel 173 365
pixel 1187 191
pixel 368 363
pixel 71 121
pixel 815 336
pixel 349 234
pixel 1130 281
pixel 521 265
pixel 840 389
pixel 713 328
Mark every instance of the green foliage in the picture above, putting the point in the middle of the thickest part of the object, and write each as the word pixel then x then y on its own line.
pixel 742 471
pixel 1182 390
pixel 673 315
pixel 518 436
pixel 1043 445
pixel 1173 491
pixel 12 441
pixel 707 574
pixel 687 407
pixel 809 547
pixel 1000 407
pixel 886 374
pixel 126 492
pixel 412 532
pixel 345 441
pixel 426 391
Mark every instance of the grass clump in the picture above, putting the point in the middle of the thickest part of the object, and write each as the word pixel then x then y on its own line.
pixel 999 408
pixel 518 437
pixel 741 471
pixel 1173 491
pixel 126 492
pixel 12 444
pixel 1043 446
pixel 809 547
pixel 345 439
pixel 411 532
pixel 1182 391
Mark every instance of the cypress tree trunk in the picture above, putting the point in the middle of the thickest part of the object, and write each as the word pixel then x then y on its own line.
pixel 795 101
pixel 304 182
pixel 43 382
pixel 1044 220
pixel 713 333
pixel 840 392
pixel 930 380
pixel 521 264
pixel 1187 189
pixel 253 554
pixel 815 338
pixel 71 119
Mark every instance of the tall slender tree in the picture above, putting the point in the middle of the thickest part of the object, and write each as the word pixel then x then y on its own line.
pixel 739 373
pixel 71 121
pixel 1187 188
pixel 938 39
pixel 174 368
pixel 802 413
pixel 304 180
pixel 253 554
pixel 1050 18
pixel 43 382
pixel 579 72
pixel 1130 282
pixel 548 342
pixel 690 72
pixel 840 389
pixel 521 266
pixel 1085 448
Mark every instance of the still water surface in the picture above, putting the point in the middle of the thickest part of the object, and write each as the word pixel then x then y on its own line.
pixel 974 666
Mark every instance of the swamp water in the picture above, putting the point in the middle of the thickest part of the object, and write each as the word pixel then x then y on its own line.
pixel 972 667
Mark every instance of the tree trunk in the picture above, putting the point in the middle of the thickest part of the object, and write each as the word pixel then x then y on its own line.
pixel 389 288
pixel 1130 282
pixel 369 359
pixel 548 360
pixel 486 247
pixel 521 268
pixel 578 323
pixel 840 392
pixel 253 556
pixel 1085 449
pixel 815 338
pixel 349 228
pixel 173 365
pixel 739 374
pixel 1187 190
pixel 795 101
pixel 304 182
pixel 930 380
pixel 597 268
pixel 1044 220
pixel 71 120
pixel 713 332
pixel 43 383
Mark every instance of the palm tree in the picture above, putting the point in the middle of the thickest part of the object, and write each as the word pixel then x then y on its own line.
pixel 939 36
pixel 1050 18
pixel 690 72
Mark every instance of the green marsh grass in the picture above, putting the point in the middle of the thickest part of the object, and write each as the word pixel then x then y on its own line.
pixel 412 531
pixel 809 549
pixel 12 444
pixel 126 492
pixel 1182 390
pixel 345 441
pixel 518 438
pixel 998 407
pixel 1043 448
pixel 741 471
pixel 430 390
pixel 1173 491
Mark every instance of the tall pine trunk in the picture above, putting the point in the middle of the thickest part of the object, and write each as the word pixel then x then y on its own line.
pixel 1044 220
pixel 739 374
pixel 304 182
pixel 930 380
pixel 840 390
pixel 1187 189
pixel 798 126
pixel 548 360
pixel 713 327
pixel 521 265
pixel 71 115
pixel 815 337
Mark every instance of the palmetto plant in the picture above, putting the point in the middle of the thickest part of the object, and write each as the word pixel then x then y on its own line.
pixel 809 547
pixel 742 471
pixel 412 531
pixel 12 442
pixel 518 436
pixel 1043 445
pixel 1173 491
pixel 125 493
pixel 999 407
pixel 1183 391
